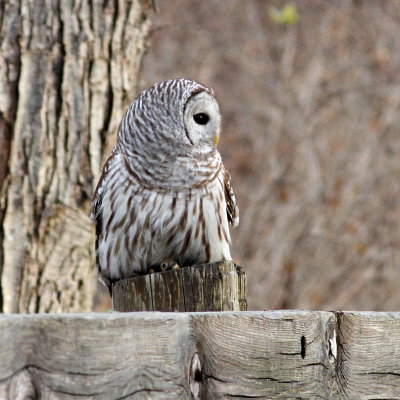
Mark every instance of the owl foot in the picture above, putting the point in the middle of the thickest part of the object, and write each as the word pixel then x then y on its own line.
pixel 171 266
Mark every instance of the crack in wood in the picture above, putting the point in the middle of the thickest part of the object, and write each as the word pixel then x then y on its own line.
pixel 303 345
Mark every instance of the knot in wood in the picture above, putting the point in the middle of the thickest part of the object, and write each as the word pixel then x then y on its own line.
pixel 195 377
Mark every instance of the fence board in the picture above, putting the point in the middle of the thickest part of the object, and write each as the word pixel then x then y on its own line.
pixel 100 356
pixel 369 356
pixel 263 354
pixel 219 355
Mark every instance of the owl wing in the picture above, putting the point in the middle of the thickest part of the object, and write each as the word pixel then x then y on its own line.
pixel 96 214
pixel 232 208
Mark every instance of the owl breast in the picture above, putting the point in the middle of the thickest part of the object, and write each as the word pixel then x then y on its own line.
pixel 143 228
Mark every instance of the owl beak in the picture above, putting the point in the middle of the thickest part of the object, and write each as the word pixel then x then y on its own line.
pixel 216 139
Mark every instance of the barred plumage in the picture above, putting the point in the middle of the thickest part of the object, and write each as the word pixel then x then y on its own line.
pixel 164 195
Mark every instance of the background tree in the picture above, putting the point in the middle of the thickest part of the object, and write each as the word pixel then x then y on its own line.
pixel 67 71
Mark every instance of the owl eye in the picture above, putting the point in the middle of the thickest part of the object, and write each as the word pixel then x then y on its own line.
pixel 201 118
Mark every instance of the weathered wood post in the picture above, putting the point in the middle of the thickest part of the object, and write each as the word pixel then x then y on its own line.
pixel 209 287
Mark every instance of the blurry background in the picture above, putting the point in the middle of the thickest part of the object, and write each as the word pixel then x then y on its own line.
pixel 310 97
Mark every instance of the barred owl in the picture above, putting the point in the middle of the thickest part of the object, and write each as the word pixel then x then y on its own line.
pixel 164 195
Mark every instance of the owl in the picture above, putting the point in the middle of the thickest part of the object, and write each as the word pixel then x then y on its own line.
pixel 164 196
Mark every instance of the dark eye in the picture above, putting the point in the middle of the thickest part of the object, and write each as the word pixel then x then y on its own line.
pixel 201 118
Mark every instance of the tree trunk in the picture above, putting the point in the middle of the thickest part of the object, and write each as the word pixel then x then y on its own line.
pixel 68 69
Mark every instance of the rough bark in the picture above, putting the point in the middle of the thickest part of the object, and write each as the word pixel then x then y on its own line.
pixel 68 70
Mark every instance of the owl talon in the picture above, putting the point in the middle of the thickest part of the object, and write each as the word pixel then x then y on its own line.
pixel 175 267
pixel 171 266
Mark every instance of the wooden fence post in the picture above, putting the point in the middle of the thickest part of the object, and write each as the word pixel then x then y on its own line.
pixel 217 286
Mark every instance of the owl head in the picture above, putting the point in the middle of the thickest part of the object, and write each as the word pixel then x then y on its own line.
pixel 174 117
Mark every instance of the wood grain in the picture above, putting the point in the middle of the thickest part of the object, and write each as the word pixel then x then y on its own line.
pixel 218 355
pixel 369 356
pixel 264 355
pixel 96 356
pixel 209 287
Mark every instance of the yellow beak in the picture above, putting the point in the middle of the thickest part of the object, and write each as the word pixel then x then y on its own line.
pixel 216 140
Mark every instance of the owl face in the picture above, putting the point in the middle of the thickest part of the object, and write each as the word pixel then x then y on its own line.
pixel 202 120
pixel 168 131
pixel 175 118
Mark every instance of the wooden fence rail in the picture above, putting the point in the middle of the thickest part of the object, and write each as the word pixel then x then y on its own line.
pixel 220 355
